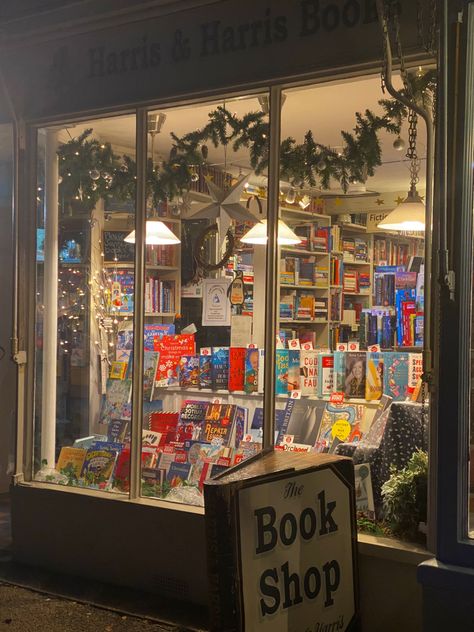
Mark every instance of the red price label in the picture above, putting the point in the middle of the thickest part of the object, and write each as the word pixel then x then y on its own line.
pixel 337 397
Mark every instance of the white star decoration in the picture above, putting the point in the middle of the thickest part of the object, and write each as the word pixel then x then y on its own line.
pixel 225 207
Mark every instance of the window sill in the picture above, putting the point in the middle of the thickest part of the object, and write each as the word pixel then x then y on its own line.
pixel 391 549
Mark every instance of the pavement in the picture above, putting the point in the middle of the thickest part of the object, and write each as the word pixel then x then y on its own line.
pixel 34 599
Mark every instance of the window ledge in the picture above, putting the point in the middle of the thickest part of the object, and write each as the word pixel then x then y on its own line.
pixel 391 549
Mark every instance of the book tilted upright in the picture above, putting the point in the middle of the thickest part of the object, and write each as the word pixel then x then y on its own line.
pixel 251 370
pixel 309 372
pixel 354 385
pixel 171 349
pixel 220 368
pixel 340 423
pixel 205 356
pixel 395 376
pixel 374 376
pixel 226 422
pixel 99 464
pixel 339 375
pixel 236 368
pixel 150 361
pixel 116 403
pixel 191 418
pixel 293 370
pixel 188 371
pixel 325 374
pixel 282 360
pixel 70 461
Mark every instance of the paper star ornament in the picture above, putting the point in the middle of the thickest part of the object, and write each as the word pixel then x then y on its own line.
pixel 225 207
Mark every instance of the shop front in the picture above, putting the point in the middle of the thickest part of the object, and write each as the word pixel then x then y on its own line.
pixel 216 256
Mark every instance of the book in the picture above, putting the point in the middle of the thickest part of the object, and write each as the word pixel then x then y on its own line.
pixel 354 385
pixel 178 473
pixel 205 355
pixel 309 372
pixel 188 371
pixel 374 376
pixel 282 360
pixel 293 370
pixel 339 375
pixel 118 370
pixel 153 332
pixel 220 368
pixel 395 376
pixel 150 361
pixel 191 418
pixel 363 489
pixel 70 461
pixel 99 464
pixel 415 371
pixel 86 442
pixel 340 423
pixel 301 421
pixel 151 439
pixel 171 349
pixel 121 292
pixel 325 374
pixel 261 370
pixel 118 431
pixel 251 370
pixel 116 403
pixel 236 368
pixel 225 422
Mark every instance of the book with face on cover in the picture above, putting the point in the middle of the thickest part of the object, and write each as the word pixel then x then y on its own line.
pixel 251 370
pixel 354 385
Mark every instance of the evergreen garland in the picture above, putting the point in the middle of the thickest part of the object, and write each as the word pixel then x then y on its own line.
pixel 90 170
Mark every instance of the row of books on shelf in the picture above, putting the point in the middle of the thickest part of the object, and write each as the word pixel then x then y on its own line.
pixel 160 255
pixel 389 327
pixel 303 271
pixel 314 236
pixel 202 439
pixel 242 262
pixel 159 295
pixel 354 250
pixel 390 252
pixel 355 281
pixel 297 306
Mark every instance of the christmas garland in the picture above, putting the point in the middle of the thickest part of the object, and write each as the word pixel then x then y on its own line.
pixel 90 170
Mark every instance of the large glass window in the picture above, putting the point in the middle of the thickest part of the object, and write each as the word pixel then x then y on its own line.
pixel 86 182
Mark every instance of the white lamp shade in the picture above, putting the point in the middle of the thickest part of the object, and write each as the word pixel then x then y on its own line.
pixel 157 234
pixel 258 235
pixel 407 216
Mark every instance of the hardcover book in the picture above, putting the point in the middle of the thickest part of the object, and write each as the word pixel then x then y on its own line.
pixel 354 385
pixel 325 374
pixel 189 371
pixel 150 361
pixel 395 377
pixel 309 372
pixel 70 461
pixel 251 370
pixel 226 422
pixel 293 370
pixel 374 376
pixel 191 418
pixel 220 368
pixel 178 473
pixel 153 333
pixel 116 403
pixel 171 349
pixel 118 370
pixel 236 368
pixel 205 356
pixel 99 464
pixel 118 431
pixel 339 371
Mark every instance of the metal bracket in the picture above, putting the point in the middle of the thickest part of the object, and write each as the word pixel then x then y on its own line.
pixel 20 357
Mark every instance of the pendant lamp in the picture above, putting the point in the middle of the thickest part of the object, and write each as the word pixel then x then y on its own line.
pixel 157 234
pixel 258 235
pixel 407 216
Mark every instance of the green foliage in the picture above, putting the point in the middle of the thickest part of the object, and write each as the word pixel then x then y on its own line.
pixel 306 164
pixel 405 497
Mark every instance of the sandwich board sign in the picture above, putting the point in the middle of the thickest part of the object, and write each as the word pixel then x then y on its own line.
pixel 292 543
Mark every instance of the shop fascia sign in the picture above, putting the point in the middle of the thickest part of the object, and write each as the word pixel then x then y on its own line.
pixel 297 571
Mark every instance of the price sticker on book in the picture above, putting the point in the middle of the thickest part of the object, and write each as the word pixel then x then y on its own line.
pixel 206 351
pixel 353 346
pixel 341 346
pixel 341 429
pixel 295 395
pixel 337 397
pixel 307 346
pixel 251 345
pixel 294 343
pixel 374 348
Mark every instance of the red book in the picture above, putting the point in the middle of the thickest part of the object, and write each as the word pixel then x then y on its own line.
pixel 171 348
pixel 236 368
pixel 166 424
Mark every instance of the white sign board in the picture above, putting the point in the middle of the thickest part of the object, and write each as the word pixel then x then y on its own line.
pixel 296 554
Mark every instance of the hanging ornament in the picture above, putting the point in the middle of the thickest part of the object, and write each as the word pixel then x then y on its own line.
pixel 94 174
pixel 194 174
pixel 321 164
pixel 399 144
pixel 204 151
pixel 290 197
pixel 225 207
pixel 94 186
pixel 236 289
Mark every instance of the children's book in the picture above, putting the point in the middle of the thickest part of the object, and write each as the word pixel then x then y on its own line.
pixel 236 368
pixel 374 376
pixel 325 374
pixel 395 376
pixel 309 372
pixel 293 370
pixel 171 349
pixel 122 292
pixel 118 431
pixel 125 336
pixel 188 371
pixel 226 422
pixel 220 368
pixel 282 362
pixel 70 461
pixel 354 385
pixel 99 464
pixel 251 370
pixel 191 418
pixel 261 370
pixel 415 371
pixel 339 376
pixel 86 442
pixel 118 370
pixel 150 360
pixel 205 358
pixel 340 423
pixel 116 403
pixel 153 333
pixel 178 473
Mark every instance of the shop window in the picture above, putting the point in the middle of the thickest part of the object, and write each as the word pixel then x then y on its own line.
pixel 86 181
pixel 350 328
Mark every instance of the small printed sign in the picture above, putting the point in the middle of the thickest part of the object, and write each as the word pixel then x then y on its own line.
pixel 337 397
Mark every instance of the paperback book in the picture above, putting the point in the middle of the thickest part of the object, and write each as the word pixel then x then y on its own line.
pixel 220 368
pixel 251 370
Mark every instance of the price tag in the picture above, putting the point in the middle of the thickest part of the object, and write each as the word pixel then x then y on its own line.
pixel 337 397
pixel 374 348
pixel 288 439
pixel 295 395
pixel 206 351
pixel 307 346
pixel 251 345
pixel 294 343
pixel 279 343
pixel 217 400
pixel 341 346
pixel 353 346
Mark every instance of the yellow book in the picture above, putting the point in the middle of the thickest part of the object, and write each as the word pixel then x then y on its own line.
pixel 71 458
pixel 374 376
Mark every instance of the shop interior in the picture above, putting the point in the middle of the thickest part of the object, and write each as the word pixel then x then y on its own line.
pixel 349 332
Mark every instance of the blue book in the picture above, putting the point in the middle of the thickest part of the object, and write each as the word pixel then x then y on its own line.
pixel 293 369
pixel 281 371
pixel 395 375
pixel 205 358
pixel 178 473
pixel 220 368
pixel 156 331
pixel 339 371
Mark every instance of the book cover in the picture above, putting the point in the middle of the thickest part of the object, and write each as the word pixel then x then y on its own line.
pixel 236 368
pixel 415 371
pixel 191 418
pixel 86 442
pixel 153 332
pixel 220 368
pixel 70 461
pixel 293 370
pixel 118 370
pixel 188 371
pixel 99 464
pixel 121 289
pixel 395 377
pixel 225 422
pixel 354 385
pixel 339 376
pixel 309 372
pixel 282 361
pixel 150 361
pixel 171 348
pixel 178 473
pixel 205 356
pixel 340 423
pixel 118 431
pixel 251 370
pixel 116 403
pixel 151 439
pixel 363 489
pixel 261 370
pixel 374 376
pixel 302 421
pixel 325 374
